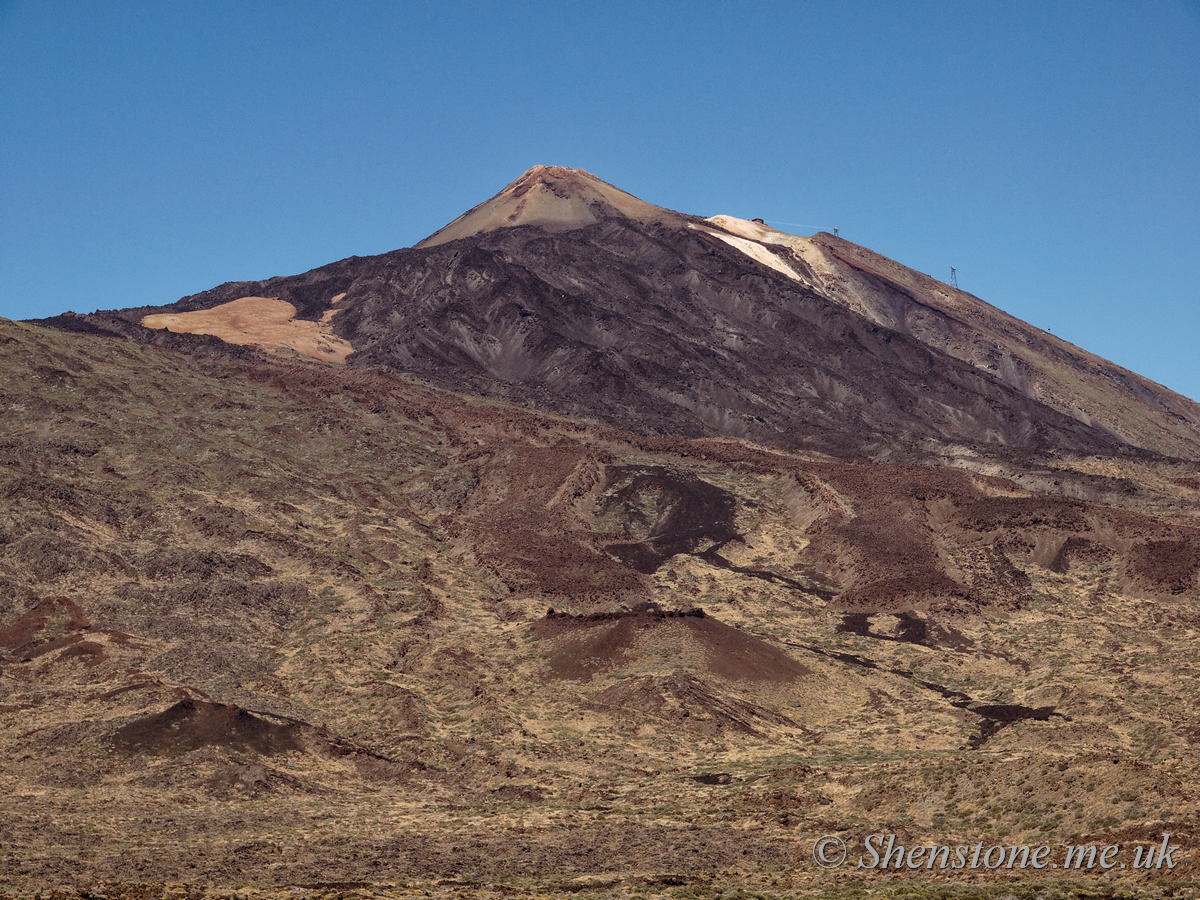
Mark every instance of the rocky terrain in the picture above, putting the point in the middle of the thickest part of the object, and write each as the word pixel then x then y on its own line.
pixel 619 579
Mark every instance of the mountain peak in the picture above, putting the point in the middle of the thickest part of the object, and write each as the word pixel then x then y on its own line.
pixel 555 198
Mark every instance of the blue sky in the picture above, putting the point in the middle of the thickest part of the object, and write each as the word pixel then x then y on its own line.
pixel 1049 151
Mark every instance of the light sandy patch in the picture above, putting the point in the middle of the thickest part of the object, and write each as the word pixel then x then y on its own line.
pixel 830 274
pixel 752 249
pixel 803 247
pixel 327 316
pixel 755 231
pixel 265 321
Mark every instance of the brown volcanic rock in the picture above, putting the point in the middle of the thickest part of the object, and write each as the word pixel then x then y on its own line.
pixel 1167 567
pixel 22 636
pixel 586 645
pixel 192 724
pixel 921 538
pixel 626 645
pixel 658 329
pixel 573 528
pixel 522 513
pixel 662 512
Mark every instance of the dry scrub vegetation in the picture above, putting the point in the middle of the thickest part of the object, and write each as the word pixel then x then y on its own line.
pixel 281 629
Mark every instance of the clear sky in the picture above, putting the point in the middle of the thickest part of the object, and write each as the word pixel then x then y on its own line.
pixel 1048 150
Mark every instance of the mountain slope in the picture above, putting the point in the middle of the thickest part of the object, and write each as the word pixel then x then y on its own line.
pixel 566 294
pixel 1033 362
